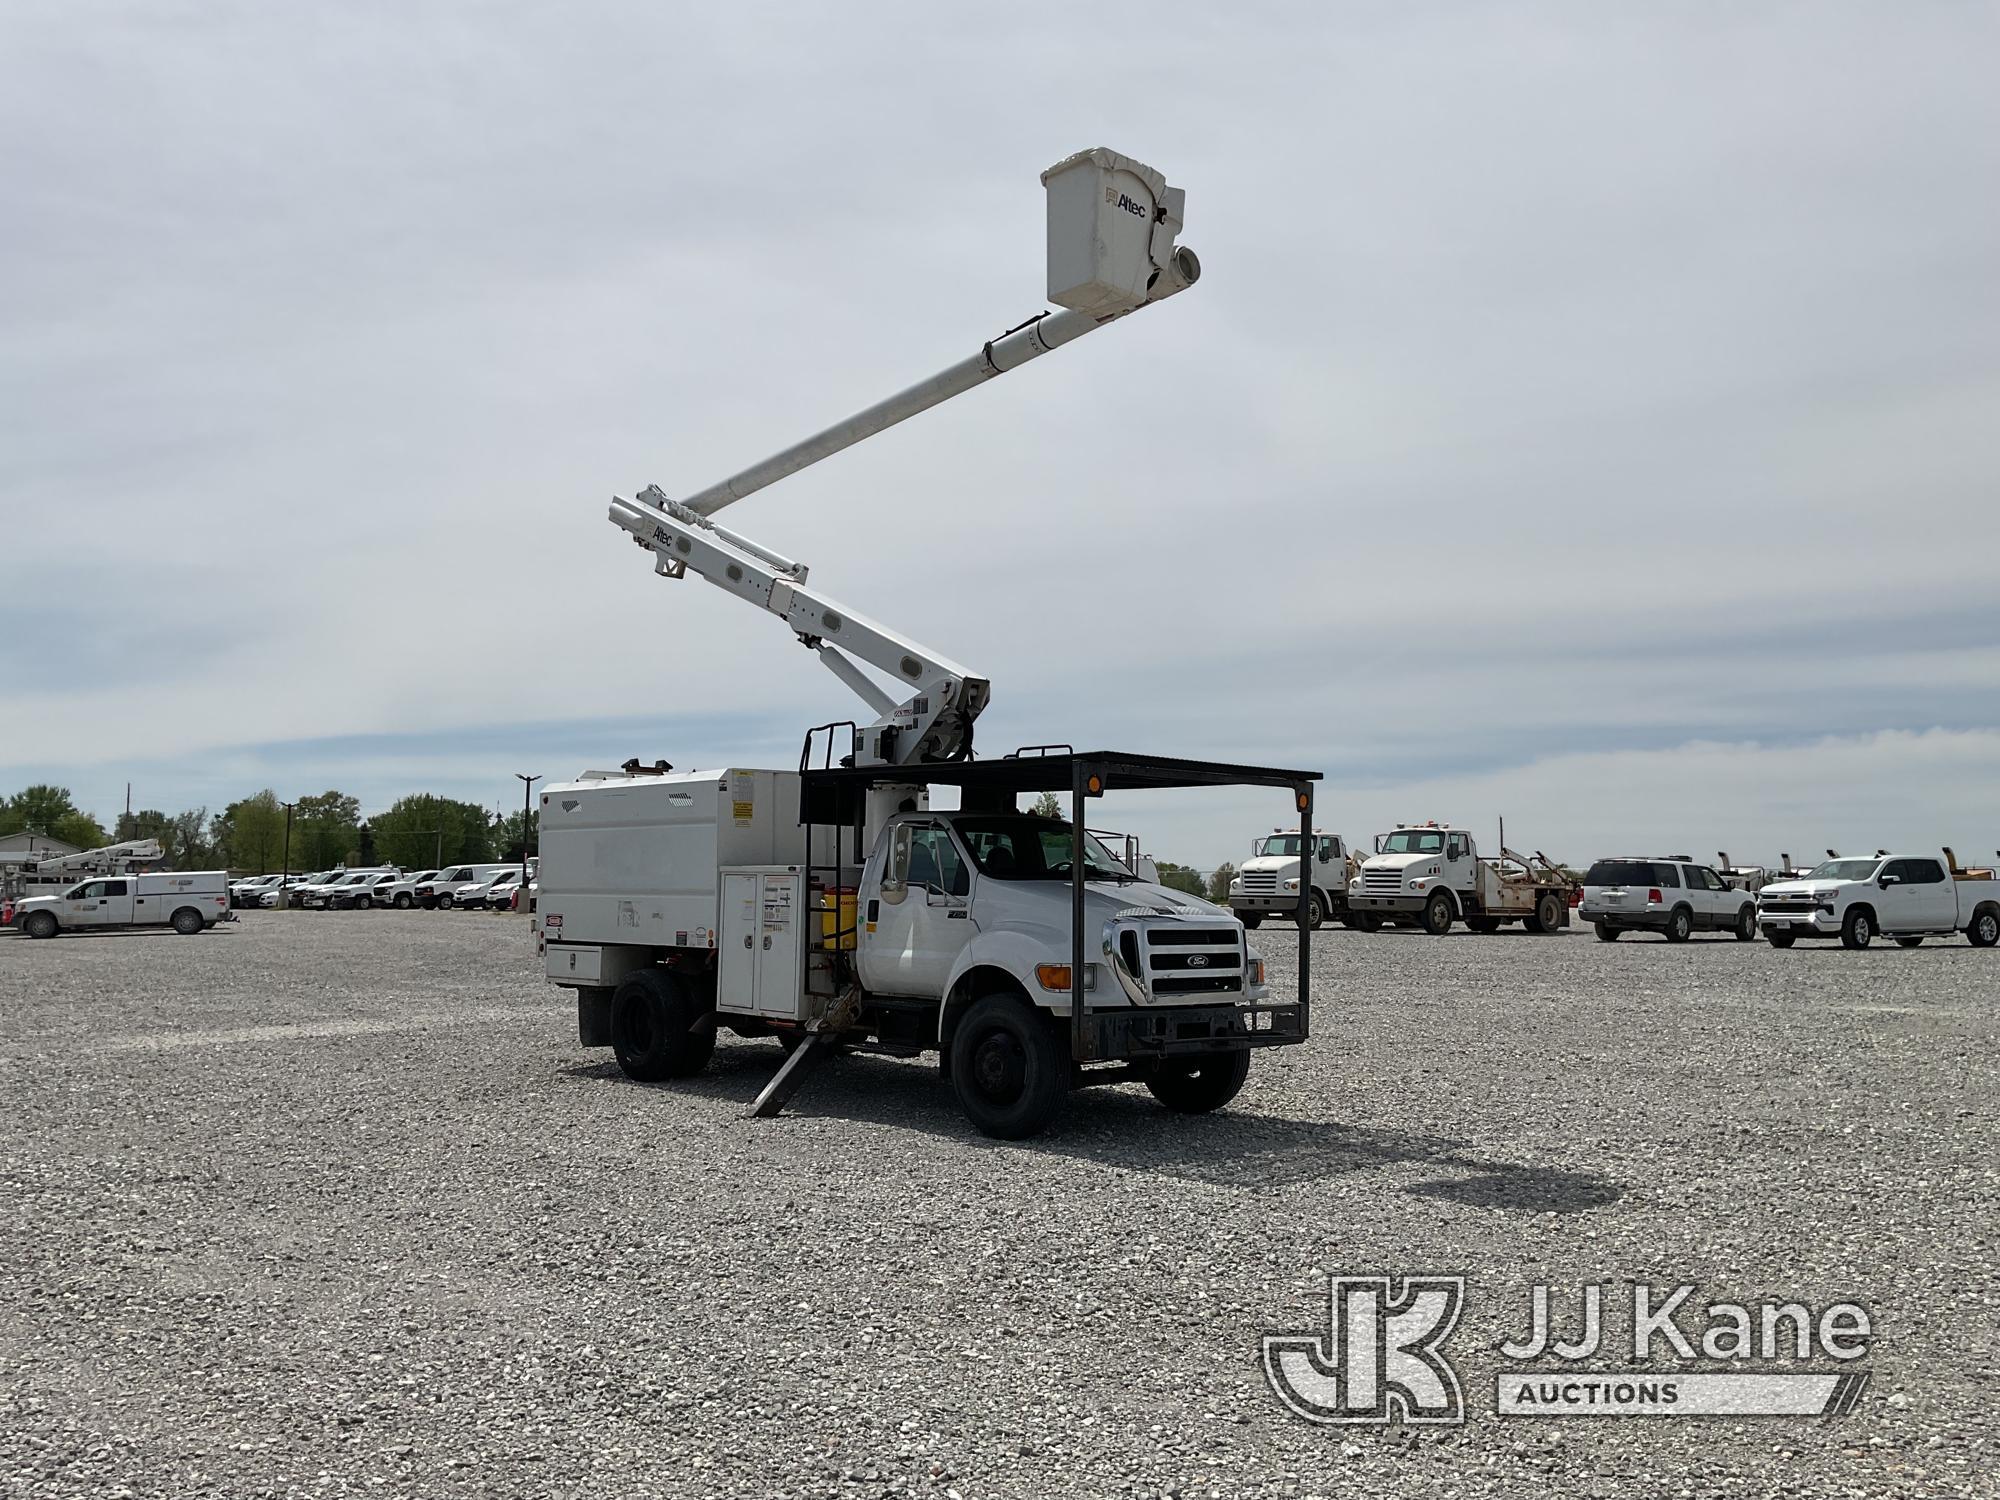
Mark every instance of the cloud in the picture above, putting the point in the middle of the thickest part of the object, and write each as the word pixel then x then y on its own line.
pixel 1561 383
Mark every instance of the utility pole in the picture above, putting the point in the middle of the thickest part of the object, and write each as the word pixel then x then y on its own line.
pixel 527 788
pixel 285 880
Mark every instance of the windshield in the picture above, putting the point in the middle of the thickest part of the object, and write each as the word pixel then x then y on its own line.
pixel 1281 843
pixel 1844 869
pixel 1413 841
pixel 1022 848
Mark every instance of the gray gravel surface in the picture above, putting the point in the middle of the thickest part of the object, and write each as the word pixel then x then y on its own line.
pixel 327 1204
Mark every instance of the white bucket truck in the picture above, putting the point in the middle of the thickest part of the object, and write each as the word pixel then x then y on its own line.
pixel 831 905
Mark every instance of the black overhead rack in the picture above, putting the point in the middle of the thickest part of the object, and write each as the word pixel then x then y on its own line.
pixel 836 796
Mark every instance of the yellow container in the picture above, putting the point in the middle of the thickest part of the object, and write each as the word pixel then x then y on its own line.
pixel 837 917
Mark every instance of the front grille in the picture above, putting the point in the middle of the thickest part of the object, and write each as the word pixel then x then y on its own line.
pixel 1786 903
pixel 1387 882
pixel 1183 960
pixel 1264 883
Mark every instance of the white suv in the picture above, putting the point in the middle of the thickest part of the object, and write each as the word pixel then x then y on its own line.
pixel 1670 895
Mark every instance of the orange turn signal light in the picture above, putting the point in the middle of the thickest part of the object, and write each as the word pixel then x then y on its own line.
pixel 1052 976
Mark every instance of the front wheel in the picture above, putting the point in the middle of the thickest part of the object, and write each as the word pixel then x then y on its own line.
pixel 1315 912
pixel 1746 925
pixel 1009 1068
pixel 1483 924
pixel 404 901
pixel 363 902
pixel 1196 1086
pixel 1369 921
pixel 1606 933
pixel 40 924
pixel 1779 937
pixel 1680 926
pixel 1251 919
pixel 187 921
pixel 1437 914
pixel 444 902
pixel 1858 931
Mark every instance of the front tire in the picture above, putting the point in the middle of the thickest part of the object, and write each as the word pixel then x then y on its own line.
pixel 1009 1068
pixel 1779 937
pixel 40 924
pixel 1909 942
pixel 1680 926
pixel 1746 925
pixel 1251 919
pixel 404 901
pixel 363 902
pixel 1606 933
pixel 1858 931
pixel 1200 1085
pixel 1438 914
pixel 1315 912
pixel 1369 921
pixel 187 921
pixel 656 1028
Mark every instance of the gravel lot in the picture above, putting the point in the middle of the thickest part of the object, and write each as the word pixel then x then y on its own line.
pixel 332 1203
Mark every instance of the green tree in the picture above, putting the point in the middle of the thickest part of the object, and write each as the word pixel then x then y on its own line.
pixel 325 829
pixel 1181 878
pixel 187 840
pixel 36 809
pixel 150 824
pixel 80 829
pixel 1048 805
pixel 508 840
pixel 418 832
pixel 1218 882
pixel 250 834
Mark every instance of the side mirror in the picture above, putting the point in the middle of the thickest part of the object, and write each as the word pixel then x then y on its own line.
pixel 1888 880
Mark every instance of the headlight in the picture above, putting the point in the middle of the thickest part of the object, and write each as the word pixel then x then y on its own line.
pixel 1417 885
pixel 1291 885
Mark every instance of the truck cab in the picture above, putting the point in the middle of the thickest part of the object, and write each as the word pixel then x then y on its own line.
pixel 1267 883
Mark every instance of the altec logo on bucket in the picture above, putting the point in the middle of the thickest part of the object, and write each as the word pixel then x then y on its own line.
pixel 1381 1357
pixel 1121 200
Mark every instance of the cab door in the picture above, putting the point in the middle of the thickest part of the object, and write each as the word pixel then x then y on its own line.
pixel 1715 905
pixel 1933 898
pixel 99 903
pixel 919 917
pixel 1898 902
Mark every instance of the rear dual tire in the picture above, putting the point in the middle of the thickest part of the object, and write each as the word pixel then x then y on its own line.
pixel 658 1030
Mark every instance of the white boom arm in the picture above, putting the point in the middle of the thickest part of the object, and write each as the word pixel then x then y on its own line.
pixel 1107 258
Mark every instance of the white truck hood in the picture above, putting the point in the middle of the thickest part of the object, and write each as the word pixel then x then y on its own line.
pixel 1401 862
pixel 1807 887
pixel 1269 864
pixel 36 903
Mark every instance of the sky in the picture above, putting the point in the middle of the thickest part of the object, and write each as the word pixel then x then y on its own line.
pixel 1585 415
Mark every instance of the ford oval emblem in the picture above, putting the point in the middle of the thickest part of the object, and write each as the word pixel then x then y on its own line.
pixel 1197 960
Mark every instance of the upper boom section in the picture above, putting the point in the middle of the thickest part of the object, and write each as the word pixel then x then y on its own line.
pixel 1112 226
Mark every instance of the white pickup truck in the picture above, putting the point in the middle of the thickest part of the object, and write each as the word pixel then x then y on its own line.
pixel 186 902
pixel 1431 874
pixel 1901 896
pixel 1267 883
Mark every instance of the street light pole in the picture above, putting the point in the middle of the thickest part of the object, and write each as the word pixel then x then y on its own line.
pixel 527 812
pixel 285 880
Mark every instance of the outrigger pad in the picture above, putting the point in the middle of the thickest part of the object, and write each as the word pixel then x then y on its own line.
pixel 789 1079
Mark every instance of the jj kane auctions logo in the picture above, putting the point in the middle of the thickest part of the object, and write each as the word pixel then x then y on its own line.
pixel 1381 1356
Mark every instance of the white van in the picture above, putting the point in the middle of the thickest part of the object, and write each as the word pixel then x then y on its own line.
pixel 186 901
pixel 441 889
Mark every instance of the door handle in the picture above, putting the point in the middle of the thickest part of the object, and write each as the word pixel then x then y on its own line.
pixel 746 940
pixel 767 943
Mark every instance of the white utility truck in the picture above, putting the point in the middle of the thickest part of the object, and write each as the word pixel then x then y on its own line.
pixel 831 905
pixel 1268 883
pixel 1905 897
pixel 1431 874
pixel 185 901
